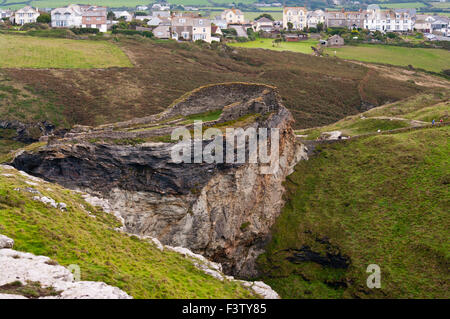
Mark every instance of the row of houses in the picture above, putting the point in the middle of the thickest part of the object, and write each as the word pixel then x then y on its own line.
pixel 191 26
pixel 373 19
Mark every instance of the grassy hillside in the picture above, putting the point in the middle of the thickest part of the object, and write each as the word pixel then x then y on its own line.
pixel 318 91
pixel 84 235
pixel 375 200
pixel 417 110
pixel 435 60
pixel 33 52
pixel 428 59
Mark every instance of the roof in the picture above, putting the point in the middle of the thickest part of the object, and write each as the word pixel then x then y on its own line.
pixel 27 9
pixel 235 11
pixel 264 19
pixel 286 9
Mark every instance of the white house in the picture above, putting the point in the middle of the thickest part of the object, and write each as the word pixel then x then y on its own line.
pixel 440 25
pixel 233 16
pixel 387 20
pixel 315 17
pixel 6 14
pixel 201 29
pixel 295 15
pixel 263 24
pixel 80 16
pixel 26 15
pixel 67 17
pixel 423 23
pixel 123 14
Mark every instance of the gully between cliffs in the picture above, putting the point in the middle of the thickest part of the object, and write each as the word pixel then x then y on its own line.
pixel 222 211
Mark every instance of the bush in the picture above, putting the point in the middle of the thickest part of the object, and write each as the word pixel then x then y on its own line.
pixel 147 34
pixel 44 18
pixel 85 30
pixel 34 26
pixel 52 33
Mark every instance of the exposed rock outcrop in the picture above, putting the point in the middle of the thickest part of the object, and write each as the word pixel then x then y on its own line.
pixel 28 132
pixel 223 211
pixel 27 268
pixel 6 242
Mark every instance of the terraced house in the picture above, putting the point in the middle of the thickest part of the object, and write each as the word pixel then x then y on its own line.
pixel 315 17
pixel 295 15
pixel 27 14
pixel 233 16
pixel 388 20
pixel 345 19
pixel 191 28
pixel 79 16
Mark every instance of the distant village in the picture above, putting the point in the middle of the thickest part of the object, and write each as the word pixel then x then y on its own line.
pixel 165 23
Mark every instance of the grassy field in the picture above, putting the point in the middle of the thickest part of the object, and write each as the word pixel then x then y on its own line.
pixel 442 5
pixel 74 237
pixel 428 59
pixel 376 200
pixel 32 52
pixel 302 46
pixel 402 5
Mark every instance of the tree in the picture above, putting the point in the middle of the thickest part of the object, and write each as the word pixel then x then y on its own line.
pixel 290 26
pixel 319 27
pixel 265 15
pixel 110 15
pixel 44 18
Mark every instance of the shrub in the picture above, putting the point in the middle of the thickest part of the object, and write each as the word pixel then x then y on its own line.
pixel 147 34
pixel 34 26
pixel 85 30
pixel 44 18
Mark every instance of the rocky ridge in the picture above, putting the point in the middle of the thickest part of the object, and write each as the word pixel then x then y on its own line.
pixel 221 211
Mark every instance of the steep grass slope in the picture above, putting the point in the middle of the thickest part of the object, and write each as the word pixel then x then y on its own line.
pixel 85 235
pixel 417 110
pixel 380 199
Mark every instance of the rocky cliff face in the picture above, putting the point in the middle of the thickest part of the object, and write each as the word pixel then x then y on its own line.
pixel 222 211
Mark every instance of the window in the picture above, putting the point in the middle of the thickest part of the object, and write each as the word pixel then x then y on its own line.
pixel 200 22
pixel 185 35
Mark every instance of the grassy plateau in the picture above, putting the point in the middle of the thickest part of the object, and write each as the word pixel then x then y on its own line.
pixel 34 52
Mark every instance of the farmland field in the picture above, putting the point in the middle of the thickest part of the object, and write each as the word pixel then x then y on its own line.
pixel 32 52
pixel 14 4
pixel 428 59
pixel 302 47
pixel 402 5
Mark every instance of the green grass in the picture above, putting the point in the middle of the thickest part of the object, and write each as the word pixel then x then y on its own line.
pixel 428 59
pixel 442 5
pixel 422 107
pixel 7 143
pixel 402 5
pixel 205 117
pixel 377 200
pixel 34 52
pixel 301 46
pixel 73 237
